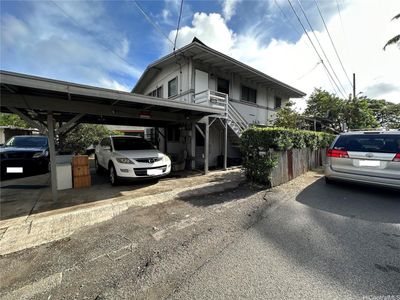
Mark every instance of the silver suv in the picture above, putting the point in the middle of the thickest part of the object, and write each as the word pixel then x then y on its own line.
pixel 371 157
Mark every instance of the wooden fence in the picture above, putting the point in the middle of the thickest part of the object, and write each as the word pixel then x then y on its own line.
pixel 293 163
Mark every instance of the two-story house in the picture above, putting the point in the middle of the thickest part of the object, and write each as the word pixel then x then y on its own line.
pixel 199 74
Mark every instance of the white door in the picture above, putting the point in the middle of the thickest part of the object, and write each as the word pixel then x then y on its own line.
pixel 200 81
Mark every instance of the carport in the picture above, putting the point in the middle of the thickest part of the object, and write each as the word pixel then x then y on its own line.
pixel 43 102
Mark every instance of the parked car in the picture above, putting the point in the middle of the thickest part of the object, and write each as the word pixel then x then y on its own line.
pixel 130 157
pixel 370 157
pixel 25 154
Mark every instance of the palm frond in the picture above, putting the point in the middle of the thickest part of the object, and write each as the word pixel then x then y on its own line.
pixel 396 17
pixel 393 40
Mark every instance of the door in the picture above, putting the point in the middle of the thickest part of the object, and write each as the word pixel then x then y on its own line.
pixel 105 152
pixel 200 81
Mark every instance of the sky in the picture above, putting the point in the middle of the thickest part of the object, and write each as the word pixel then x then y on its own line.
pixel 110 43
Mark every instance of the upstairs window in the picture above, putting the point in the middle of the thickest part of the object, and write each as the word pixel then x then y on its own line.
pixel 173 87
pixel 278 102
pixel 223 86
pixel 249 94
pixel 156 93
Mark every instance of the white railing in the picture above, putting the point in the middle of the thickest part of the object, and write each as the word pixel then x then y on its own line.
pixel 211 98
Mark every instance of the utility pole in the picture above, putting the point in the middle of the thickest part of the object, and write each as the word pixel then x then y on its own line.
pixel 354 86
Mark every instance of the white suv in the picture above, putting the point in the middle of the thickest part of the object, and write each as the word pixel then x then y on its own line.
pixel 130 157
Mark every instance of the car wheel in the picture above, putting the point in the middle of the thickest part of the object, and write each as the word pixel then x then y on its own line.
pixel 328 181
pixel 113 176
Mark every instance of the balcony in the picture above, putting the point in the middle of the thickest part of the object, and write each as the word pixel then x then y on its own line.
pixel 212 99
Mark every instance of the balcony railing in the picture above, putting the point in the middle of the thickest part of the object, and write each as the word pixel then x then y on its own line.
pixel 211 98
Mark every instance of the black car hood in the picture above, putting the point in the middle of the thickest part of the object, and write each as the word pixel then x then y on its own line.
pixel 17 149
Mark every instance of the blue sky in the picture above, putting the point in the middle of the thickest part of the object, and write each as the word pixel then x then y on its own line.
pixel 109 43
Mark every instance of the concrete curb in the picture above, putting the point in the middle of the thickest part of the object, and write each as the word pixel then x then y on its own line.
pixel 23 233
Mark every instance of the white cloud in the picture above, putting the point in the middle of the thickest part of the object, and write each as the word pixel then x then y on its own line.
pixel 229 8
pixel 49 44
pixel 360 49
pixel 210 28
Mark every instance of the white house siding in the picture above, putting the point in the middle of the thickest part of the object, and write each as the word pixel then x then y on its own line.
pixel 168 73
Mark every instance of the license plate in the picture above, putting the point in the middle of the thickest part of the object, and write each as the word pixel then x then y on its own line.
pixel 15 170
pixel 370 163
pixel 154 172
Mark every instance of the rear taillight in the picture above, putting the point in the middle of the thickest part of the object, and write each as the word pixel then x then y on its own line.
pixel 397 157
pixel 337 153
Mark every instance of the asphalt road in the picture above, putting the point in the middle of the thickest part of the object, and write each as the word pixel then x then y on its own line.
pixel 331 241
pixel 302 240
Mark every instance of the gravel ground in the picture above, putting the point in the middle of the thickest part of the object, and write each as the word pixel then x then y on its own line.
pixel 300 240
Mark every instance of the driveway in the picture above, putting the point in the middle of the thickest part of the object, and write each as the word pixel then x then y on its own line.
pixel 301 240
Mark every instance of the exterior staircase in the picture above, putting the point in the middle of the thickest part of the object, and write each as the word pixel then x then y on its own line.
pixel 235 120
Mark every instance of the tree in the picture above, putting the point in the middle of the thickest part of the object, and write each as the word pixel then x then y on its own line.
pixel 387 114
pixel 12 120
pixel 395 39
pixel 358 114
pixel 82 136
pixel 328 107
pixel 289 118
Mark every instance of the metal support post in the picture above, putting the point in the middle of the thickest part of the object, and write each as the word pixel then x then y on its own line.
pixel 226 144
pixel 52 154
pixel 206 145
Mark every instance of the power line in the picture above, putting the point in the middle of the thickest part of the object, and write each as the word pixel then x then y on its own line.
pixel 333 44
pixel 322 49
pixel 286 17
pixel 315 49
pixel 88 31
pixel 152 22
pixel 308 72
pixel 179 23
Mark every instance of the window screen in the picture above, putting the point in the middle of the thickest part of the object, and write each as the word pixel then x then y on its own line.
pixel 249 94
pixel 278 102
pixel 173 87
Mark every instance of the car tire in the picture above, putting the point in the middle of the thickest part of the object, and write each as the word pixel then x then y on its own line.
pixel 113 177
pixel 328 181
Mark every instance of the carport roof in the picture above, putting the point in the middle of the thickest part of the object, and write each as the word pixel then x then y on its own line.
pixel 36 96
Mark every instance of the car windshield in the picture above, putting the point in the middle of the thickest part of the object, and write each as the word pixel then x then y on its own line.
pixel 388 143
pixel 27 142
pixel 124 143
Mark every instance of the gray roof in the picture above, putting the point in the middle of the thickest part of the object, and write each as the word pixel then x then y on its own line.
pixel 198 48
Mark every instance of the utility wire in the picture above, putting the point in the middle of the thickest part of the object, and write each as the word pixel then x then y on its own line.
pixel 156 27
pixel 313 68
pixel 179 24
pixel 287 18
pixel 315 49
pixel 333 44
pixel 88 31
pixel 322 49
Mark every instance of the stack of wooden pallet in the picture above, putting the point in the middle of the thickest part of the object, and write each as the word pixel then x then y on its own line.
pixel 81 171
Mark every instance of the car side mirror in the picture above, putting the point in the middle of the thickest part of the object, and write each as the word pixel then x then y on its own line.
pixel 107 148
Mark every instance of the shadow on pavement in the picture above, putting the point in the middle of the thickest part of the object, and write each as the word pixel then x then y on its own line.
pixel 353 201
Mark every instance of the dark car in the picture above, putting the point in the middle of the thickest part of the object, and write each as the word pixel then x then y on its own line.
pixel 25 154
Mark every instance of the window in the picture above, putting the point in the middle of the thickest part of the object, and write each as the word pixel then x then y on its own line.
pixel 105 142
pixel 385 143
pixel 223 86
pixel 133 143
pixel 173 87
pixel 249 94
pixel 173 134
pixel 278 102
pixel 156 93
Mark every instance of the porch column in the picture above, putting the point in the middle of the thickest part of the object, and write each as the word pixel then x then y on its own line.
pixel 206 145
pixel 193 147
pixel 52 154
pixel 225 144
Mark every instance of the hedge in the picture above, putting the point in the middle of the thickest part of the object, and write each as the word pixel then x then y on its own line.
pixel 256 144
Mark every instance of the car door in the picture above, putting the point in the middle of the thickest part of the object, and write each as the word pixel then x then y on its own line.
pixel 104 152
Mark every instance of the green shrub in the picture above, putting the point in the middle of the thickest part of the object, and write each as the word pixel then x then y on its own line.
pixel 256 144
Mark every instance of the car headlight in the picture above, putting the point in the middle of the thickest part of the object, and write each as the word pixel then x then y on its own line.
pixel 124 160
pixel 40 154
